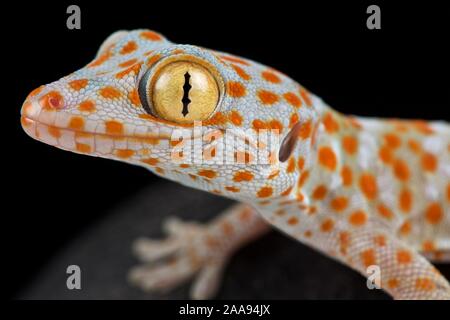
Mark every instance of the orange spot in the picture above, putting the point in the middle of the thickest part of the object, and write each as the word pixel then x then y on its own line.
pixel 129 47
pixel 405 228
pixel 425 284
pixel 52 100
pixel 305 95
pixel 235 89
pixel 84 148
pixel 405 200
pixel 267 97
pixel 151 161
pixel 241 72
pixel 76 123
pixel 109 92
pixel 319 192
pixel 270 77
pixel 380 240
pixel 286 192
pixel 292 99
pixel 433 213
pixel 259 124
pixel 392 140
pixel 401 170
pixel 217 119
pixel 292 221
pixel 245 215
pixel 150 35
pixel 358 218
pixel 236 118
pixel 153 59
pixel 273 174
pixel 347 176
pixel 404 256
pixel 350 144
pixel 101 59
pixel 339 203
pixel 79 84
pixel 294 119
pixel 393 283
pixel 291 165
pixel 207 173
pixel 330 124
pixel 429 162
pixel 127 63
pixel 232 189
pixel 428 246
pixel 303 177
pixel 327 225
pixel 114 127
pixel 86 106
pixel 385 154
pixel 305 130
pixel 235 60
pixel 414 146
pixel 448 192
pixel 301 163
pixel 35 92
pixel 384 211
pixel 327 157
pixel 276 125
pixel 344 240
pixel 368 185
pixel 54 132
pixel 265 192
pixel 368 257
pixel 422 127
pixel 133 96
pixel 227 228
pixel 308 234
pixel 243 176
pixel 354 122
pixel 133 69
pixel 124 153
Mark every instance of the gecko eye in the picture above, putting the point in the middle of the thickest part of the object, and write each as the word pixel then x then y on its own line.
pixel 181 92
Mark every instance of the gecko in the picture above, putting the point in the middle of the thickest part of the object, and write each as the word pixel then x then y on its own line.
pixel 367 192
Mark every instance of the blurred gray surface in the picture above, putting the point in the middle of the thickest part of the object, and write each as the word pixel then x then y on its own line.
pixel 273 267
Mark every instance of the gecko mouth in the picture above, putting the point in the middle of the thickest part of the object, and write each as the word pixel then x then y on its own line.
pixel 84 141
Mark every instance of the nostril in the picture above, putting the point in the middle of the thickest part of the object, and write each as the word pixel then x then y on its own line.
pixel 52 100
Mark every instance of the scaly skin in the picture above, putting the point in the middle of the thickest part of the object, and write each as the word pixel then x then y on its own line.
pixel 363 191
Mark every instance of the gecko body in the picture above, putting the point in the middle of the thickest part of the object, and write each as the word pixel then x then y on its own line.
pixel 367 192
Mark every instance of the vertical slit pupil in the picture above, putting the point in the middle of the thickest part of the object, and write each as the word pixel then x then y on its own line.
pixel 186 88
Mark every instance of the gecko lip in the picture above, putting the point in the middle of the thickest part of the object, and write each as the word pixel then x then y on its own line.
pixel 84 141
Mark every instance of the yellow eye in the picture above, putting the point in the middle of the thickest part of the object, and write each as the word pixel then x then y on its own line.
pixel 183 92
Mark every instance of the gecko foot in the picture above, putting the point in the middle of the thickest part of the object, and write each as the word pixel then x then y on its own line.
pixel 189 251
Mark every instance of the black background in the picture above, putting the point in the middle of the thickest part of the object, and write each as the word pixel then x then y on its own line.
pixel 51 195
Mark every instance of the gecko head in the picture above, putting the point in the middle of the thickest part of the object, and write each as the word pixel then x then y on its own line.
pixel 206 119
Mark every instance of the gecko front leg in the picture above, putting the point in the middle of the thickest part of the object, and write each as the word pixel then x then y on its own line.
pixel 404 273
pixel 196 250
